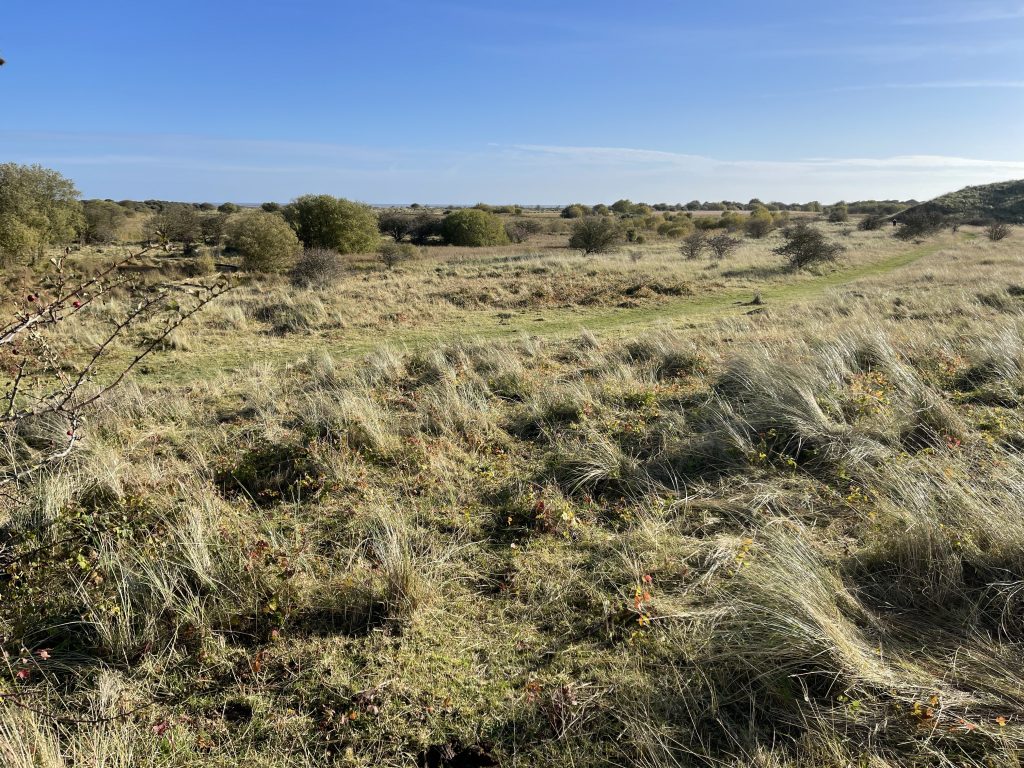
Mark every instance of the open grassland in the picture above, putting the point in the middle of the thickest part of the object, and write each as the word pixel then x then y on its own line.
pixel 516 507
pixel 503 292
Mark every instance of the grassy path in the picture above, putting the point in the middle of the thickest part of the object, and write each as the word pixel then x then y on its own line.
pixel 559 323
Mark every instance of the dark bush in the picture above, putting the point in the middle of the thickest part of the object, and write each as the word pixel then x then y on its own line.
pixel 919 222
pixel 722 245
pixel 805 245
pixel 997 230
pixel 694 244
pixel 521 230
pixel 871 223
pixel 396 225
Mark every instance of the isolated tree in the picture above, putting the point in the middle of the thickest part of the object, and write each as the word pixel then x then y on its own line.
pixel 694 244
pixel 595 234
pixel 997 230
pixel 265 241
pixel 521 230
pixel 272 207
pixel 38 208
pixel 229 208
pixel 472 227
pixel 622 206
pixel 805 245
pixel 722 245
pixel 839 213
pixel 574 211
pixel 760 222
pixel 323 221
pixel 103 221
pixel 396 225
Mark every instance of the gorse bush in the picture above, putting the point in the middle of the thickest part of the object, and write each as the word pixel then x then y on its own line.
pixel 473 228
pixel 323 221
pixel 264 240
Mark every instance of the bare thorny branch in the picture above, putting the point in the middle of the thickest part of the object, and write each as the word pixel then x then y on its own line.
pixel 41 384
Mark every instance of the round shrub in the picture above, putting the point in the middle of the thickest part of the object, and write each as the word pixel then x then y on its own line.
pixel 323 221
pixel 596 234
pixel 473 228
pixel 264 240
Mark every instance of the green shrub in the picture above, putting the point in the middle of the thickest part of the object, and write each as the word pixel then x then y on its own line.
pixel 805 245
pixel 473 228
pixel 323 221
pixel 839 213
pixel 264 240
pixel 760 223
pixel 694 244
pixel 595 234
pixel 871 223
pixel 919 222
pixel 38 207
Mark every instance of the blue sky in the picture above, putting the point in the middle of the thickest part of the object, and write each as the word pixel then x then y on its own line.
pixel 533 102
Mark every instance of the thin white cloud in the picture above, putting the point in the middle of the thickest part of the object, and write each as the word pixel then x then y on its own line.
pixel 937 85
pixel 623 155
pixel 965 15
pixel 254 170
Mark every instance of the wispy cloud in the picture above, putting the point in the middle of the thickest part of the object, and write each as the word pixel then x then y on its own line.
pixel 965 15
pixel 252 170
pixel 937 85
pixel 623 155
